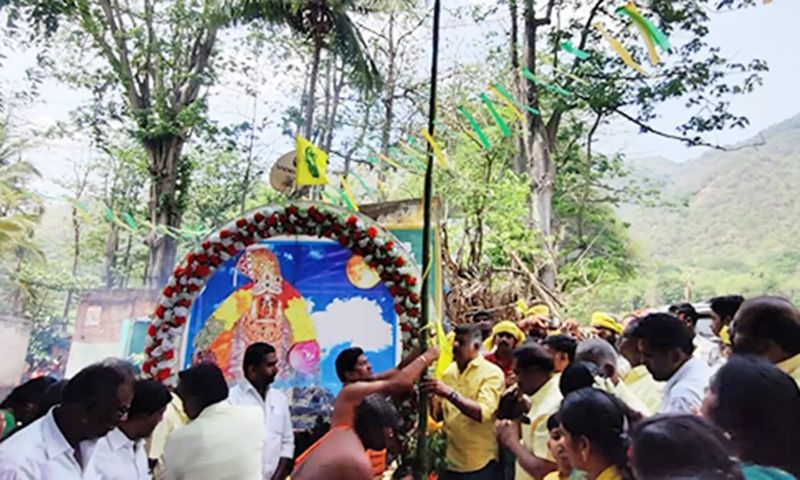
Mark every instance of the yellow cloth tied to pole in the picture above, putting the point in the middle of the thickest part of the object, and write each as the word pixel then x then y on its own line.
pixel 444 341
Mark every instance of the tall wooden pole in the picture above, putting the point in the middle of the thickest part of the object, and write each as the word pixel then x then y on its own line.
pixel 421 470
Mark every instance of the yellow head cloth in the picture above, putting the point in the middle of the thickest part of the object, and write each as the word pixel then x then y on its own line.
pixel 604 320
pixel 506 326
pixel 725 335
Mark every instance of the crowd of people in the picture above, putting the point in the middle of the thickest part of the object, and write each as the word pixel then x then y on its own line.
pixel 641 398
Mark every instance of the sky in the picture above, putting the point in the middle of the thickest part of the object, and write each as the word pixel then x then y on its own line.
pixel 763 31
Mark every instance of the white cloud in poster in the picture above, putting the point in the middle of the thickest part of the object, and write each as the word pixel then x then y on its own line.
pixel 357 321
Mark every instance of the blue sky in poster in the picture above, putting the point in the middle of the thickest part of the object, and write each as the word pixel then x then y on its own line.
pixel 342 313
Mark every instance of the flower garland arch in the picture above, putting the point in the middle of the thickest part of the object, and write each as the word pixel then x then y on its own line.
pixel 359 234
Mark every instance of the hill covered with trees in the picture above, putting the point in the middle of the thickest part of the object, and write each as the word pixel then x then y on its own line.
pixel 731 223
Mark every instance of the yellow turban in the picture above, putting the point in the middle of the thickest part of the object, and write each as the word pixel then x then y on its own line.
pixel 527 311
pixel 725 335
pixel 604 320
pixel 506 326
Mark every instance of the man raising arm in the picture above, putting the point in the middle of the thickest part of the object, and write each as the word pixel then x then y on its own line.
pixel 358 423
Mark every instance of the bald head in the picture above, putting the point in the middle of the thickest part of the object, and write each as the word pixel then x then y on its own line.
pixel 599 352
pixel 768 326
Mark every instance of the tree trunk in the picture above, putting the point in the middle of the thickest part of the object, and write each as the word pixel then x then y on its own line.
pixel 542 170
pixel 76 253
pixel 312 89
pixel 126 263
pixel 249 167
pixel 520 163
pixel 389 89
pixel 110 256
pixel 338 86
pixel 164 158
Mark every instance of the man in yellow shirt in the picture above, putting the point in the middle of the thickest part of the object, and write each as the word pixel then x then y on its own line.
pixel 639 380
pixel 174 417
pixel 466 399
pixel 221 441
pixel 770 327
pixel 537 380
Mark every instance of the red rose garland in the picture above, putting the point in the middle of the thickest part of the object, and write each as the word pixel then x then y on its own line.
pixel 356 233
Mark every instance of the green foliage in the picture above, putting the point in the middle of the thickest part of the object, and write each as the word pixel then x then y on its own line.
pixel 325 23
pixel 19 207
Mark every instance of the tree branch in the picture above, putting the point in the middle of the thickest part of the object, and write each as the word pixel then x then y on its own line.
pixel 547 16
pixel 691 142
pixel 118 33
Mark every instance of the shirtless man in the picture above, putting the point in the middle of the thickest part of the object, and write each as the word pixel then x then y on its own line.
pixel 359 423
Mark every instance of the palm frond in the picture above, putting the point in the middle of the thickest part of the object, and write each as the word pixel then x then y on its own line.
pixel 348 44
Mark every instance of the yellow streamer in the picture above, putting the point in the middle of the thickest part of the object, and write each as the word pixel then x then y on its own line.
pixel 508 104
pixel 436 150
pixel 566 73
pixel 655 60
pixel 390 161
pixel 623 53
pixel 349 193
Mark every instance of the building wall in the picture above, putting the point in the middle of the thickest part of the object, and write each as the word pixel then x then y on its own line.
pixel 102 324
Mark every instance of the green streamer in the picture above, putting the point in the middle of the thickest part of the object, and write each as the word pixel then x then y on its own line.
pixel 361 182
pixel 347 201
pixel 513 99
pixel 569 48
pixel 130 221
pixel 547 86
pixel 497 118
pixel 655 33
pixel 413 155
pixel 334 200
pixel 476 127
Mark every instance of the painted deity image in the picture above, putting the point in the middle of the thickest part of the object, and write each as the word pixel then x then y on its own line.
pixel 267 309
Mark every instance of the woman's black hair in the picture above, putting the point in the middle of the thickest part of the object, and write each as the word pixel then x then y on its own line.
pixel 375 412
pixel 553 422
pixel 682 446
pixel 576 376
pixel 601 418
pixel 29 392
pixel 759 406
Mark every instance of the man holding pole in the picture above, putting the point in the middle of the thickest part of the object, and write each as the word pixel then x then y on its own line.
pixel 466 399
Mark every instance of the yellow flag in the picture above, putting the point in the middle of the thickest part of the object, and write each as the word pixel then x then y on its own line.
pixel 311 163
pixel 444 342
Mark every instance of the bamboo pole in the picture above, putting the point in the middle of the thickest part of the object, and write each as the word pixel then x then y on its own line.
pixel 421 464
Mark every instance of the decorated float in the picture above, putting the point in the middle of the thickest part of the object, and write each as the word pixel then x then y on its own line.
pixel 310 279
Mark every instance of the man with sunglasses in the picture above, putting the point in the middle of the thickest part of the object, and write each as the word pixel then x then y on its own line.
pixel 60 445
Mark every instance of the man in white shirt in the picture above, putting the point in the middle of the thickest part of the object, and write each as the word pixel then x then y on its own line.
pixel 260 368
pixel 666 343
pixel 121 455
pixel 705 349
pixel 221 441
pixel 60 445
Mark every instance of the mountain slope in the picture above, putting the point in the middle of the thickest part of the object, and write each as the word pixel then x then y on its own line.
pixel 739 218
